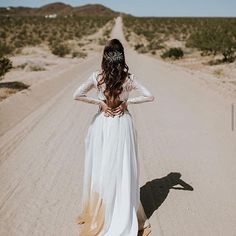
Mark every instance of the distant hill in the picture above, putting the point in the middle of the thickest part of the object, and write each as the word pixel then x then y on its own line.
pixel 94 9
pixel 61 9
pixel 58 8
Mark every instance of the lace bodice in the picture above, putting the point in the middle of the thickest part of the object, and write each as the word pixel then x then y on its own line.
pixel 130 84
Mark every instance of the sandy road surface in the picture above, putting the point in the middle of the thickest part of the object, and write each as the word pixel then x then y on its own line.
pixel 187 130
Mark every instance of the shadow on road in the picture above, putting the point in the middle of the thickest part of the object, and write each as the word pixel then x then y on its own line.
pixel 154 192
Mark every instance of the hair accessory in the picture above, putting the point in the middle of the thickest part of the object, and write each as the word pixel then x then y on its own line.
pixel 113 56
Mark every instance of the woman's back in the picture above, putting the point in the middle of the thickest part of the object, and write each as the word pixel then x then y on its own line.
pixel 130 83
pixel 112 103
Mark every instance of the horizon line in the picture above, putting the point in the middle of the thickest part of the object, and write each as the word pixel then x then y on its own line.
pixel 169 16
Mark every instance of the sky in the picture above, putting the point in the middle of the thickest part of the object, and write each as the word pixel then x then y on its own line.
pixel 148 7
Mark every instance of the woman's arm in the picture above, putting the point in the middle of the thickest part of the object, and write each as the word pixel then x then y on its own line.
pixel 81 91
pixel 146 95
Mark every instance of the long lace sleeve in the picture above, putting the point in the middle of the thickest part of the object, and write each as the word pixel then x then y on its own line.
pixel 146 95
pixel 80 93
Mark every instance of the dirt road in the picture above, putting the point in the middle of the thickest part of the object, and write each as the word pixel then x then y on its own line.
pixel 186 130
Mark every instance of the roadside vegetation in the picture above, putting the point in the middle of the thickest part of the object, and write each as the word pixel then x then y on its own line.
pixel 18 31
pixel 63 36
pixel 211 36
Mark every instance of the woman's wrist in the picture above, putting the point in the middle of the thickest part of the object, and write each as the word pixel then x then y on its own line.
pixel 125 104
pixel 101 103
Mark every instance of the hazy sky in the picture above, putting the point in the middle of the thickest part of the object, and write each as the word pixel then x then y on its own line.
pixel 149 7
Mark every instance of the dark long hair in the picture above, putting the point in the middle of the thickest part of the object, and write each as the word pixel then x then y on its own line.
pixel 114 69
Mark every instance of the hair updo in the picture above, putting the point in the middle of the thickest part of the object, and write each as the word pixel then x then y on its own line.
pixel 114 69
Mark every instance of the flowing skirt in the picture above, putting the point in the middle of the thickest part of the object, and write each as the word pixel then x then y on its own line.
pixel 110 196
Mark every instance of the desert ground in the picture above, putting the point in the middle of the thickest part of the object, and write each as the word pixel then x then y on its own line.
pixel 186 141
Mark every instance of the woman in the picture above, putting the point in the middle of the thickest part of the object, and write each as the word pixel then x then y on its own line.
pixel 111 203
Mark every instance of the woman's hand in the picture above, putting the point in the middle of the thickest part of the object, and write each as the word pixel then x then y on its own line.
pixel 107 110
pixel 120 109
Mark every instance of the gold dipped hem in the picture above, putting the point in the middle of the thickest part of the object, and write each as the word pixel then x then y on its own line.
pixel 145 232
pixel 91 220
pixel 144 226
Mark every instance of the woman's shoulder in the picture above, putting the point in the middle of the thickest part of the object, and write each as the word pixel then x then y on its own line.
pixel 129 81
pixel 96 75
pixel 130 78
pixel 97 71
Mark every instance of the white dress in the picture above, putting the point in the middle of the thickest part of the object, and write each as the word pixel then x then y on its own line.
pixel 111 203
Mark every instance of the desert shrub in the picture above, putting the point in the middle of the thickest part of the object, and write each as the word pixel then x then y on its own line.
pixel 219 72
pixel 60 49
pixel 14 85
pixel 138 46
pixel 36 68
pixel 106 33
pixel 11 87
pixel 81 44
pixel 102 41
pixel 5 66
pixel 154 45
pixel 127 36
pixel 52 41
pixel 34 41
pixel 143 50
pixel 79 54
pixel 18 43
pixel 149 34
pixel 5 49
pixel 3 35
pixel 22 66
pixel 175 53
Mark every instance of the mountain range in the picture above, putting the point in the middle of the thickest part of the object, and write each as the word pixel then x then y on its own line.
pixel 61 9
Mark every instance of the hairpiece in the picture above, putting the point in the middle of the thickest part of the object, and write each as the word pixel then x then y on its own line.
pixel 113 56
